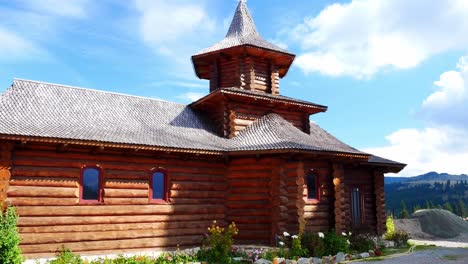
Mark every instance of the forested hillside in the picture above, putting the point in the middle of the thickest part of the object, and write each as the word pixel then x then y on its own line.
pixel 431 190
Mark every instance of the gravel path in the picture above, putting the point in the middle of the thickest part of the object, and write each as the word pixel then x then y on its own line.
pixel 437 255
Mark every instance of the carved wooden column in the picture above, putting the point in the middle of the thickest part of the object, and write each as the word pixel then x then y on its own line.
pixel 340 198
pixel 6 149
pixel 380 210
pixel 277 171
pixel 274 80
pixel 300 203
pixel 214 79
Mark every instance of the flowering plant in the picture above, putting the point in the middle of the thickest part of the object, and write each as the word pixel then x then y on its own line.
pixel 217 243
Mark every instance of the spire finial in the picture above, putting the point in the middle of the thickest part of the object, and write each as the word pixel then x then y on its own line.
pixel 242 24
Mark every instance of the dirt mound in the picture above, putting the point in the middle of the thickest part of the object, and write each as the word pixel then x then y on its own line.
pixel 440 223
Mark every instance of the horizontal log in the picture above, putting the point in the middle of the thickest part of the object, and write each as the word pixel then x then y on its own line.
pixel 114 244
pixel 198 186
pixel 33 191
pixel 46 182
pixel 110 210
pixel 64 237
pixel 197 194
pixel 125 193
pixel 43 201
pixel 31 171
pixel 116 227
pixel 91 220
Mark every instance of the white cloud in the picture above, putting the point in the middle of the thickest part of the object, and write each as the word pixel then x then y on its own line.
pixel 14 47
pixel 363 37
pixel 442 146
pixel 441 149
pixel 61 8
pixel 164 25
pixel 191 96
pixel 449 104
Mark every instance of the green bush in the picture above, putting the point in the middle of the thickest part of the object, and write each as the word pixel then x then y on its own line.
pixel 10 252
pixel 296 251
pixel 335 243
pixel 400 238
pixel 217 244
pixel 313 243
pixel 66 256
pixel 361 242
pixel 390 227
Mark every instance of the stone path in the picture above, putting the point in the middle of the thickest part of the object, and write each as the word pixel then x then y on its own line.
pixel 437 255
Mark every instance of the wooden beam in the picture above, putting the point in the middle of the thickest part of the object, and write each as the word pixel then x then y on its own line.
pixel 62 147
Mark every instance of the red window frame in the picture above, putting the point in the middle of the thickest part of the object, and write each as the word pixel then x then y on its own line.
pixel 165 190
pixel 317 187
pixel 100 190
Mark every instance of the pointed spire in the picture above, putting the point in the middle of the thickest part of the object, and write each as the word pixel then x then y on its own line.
pixel 242 24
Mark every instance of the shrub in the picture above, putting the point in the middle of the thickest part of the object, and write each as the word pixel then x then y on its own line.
pixel 390 227
pixel 296 249
pixel 313 243
pixel 361 242
pixel 10 252
pixel 400 238
pixel 335 243
pixel 66 256
pixel 217 244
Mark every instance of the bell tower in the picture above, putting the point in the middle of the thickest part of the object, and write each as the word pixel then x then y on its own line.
pixel 243 59
pixel 244 71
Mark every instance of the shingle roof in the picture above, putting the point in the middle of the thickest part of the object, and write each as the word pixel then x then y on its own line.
pixel 31 108
pixel 379 160
pixel 257 94
pixel 242 32
pixel 44 110
pixel 273 132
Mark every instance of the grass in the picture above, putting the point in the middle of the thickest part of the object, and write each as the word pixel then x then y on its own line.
pixel 451 257
pixel 424 247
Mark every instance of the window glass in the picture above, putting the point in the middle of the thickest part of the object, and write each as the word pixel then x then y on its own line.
pixel 90 184
pixel 312 186
pixel 158 185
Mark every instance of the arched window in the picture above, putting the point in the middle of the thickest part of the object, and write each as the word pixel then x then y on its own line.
pixel 91 184
pixel 158 186
pixel 312 186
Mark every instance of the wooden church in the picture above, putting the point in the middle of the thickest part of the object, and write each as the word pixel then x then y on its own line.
pixel 101 172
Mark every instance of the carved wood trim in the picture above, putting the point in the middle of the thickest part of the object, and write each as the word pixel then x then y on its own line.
pixel 6 149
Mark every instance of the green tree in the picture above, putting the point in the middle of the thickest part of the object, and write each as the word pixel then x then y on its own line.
pixel 462 208
pixel 448 207
pixel 404 212
pixel 10 252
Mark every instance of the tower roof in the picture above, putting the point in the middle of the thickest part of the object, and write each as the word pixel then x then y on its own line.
pixel 242 32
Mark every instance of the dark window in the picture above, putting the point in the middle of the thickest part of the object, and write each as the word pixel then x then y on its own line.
pixel 312 186
pixel 158 186
pixel 90 183
pixel 356 201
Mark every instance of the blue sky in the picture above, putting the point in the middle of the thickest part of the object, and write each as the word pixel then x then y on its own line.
pixel 393 73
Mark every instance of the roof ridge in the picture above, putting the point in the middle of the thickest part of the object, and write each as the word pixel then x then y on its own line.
pixel 95 90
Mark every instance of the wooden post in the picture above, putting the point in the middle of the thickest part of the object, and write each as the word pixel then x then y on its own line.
pixel 6 149
pixel 277 171
pixel 340 198
pixel 274 80
pixel 380 202
pixel 214 80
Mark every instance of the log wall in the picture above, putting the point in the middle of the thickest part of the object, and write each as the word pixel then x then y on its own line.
pixel 241 116
pixel 318 214
pixel 45 188
pixel 248 202
pixel 364 179
pixel 245 72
